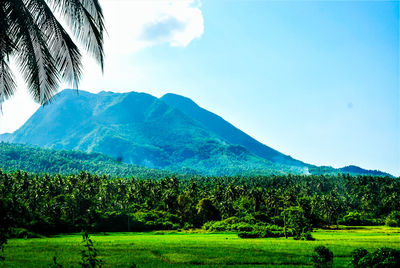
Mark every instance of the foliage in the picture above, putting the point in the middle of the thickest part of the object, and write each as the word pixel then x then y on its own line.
pixel 55 264
pixel 393 219
pixel 42 46
pixel 382 257
pixel 5 220
pixel 51 204
pixel 307 236
pixel 296 220
pixel 322 258
pixel 37 160
pixel 22 233
pixel 89 256
pixel 355 218
pixel 206 211
pixel 357 255
pixel 137 128
pixel 246 228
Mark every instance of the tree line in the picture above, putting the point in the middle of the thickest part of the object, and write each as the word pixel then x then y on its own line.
pixel 51 204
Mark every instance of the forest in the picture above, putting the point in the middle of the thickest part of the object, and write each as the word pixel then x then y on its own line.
pixel 54 208
pixel 274 205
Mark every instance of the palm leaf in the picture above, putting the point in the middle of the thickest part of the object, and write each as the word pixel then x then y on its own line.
pixel 33 56
pixel 44 51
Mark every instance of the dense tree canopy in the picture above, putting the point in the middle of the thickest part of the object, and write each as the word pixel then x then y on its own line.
pixel 58 203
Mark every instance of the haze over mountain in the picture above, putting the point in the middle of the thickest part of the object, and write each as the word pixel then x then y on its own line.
pixel 171 133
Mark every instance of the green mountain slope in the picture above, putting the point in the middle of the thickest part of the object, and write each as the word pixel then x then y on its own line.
pixel 227 131
pixel 139 129
pixel 15 157
pixel 171 133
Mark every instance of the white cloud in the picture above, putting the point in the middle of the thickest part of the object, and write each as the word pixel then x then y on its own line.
pixel 136 24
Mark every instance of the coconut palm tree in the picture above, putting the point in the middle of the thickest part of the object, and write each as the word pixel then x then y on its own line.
pixel 32 32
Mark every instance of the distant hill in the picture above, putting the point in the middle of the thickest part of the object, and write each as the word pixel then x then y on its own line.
pixel 36 160
pixel 171 133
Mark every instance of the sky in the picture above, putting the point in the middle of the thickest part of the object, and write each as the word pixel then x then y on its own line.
pixel 317 80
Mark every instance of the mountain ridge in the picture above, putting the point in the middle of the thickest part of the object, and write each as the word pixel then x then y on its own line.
pixel 171 133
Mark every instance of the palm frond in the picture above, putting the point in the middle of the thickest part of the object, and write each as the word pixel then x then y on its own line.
pixel 7 83
pixel 33 56
pixel 43 49
pixel 62 48
pixel 85 18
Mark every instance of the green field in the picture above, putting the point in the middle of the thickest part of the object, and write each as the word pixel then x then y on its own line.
pixel 165 249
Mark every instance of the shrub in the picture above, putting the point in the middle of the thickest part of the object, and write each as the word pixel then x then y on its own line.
pixel 139 221
pixel 89 257
pixel 296 220
pixel 232 220
pixel 307 236
pixel 206 211
pixel 357 255
pixel 322 258
pixel 228 225
pixel 155 220
pixel 393 219
pixel 383 257
pixel 241 227
pixel 22 233
pixel 355 218
pixel 261 234
pixel 250 235
pixel 55 264
pixel 261 216
pixel 217 226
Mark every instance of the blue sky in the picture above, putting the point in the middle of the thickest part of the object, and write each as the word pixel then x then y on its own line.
pixel 316 80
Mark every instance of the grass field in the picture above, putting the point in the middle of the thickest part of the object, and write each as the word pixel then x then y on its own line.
pixel 158 249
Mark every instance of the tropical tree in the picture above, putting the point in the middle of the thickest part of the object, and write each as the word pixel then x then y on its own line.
pixel 32 34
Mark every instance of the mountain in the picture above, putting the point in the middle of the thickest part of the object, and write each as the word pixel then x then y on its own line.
pixel 171 133
pixel 36 160
pixel 227 131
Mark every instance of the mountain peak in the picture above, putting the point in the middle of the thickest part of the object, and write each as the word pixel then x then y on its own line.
pixel 179 100
pixel 171 133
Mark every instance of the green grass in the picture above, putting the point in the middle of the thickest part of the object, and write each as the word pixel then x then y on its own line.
pixel 167 249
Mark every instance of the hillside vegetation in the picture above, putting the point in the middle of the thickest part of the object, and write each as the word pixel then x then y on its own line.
pixel 171 133
pixel 36 160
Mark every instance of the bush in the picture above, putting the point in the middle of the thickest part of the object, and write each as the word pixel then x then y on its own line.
pixel 206 211
pixel 393 219
pixel 113 222
pixel 245 229
pixel 261 216
pixel 307 236
pixel 357 255
pixel 250 235
pixel 383 257
pixel 217 226
pixel 262 233
pixel 232 224
pixel 322 258
pixel 232 220
pixel 241 227
pixel 137 222
pixel 89 255
pixel 22 233
pixel 296 220
pixel 356 218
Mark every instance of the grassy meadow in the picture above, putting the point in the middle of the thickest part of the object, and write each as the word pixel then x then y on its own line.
pixel 166 249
